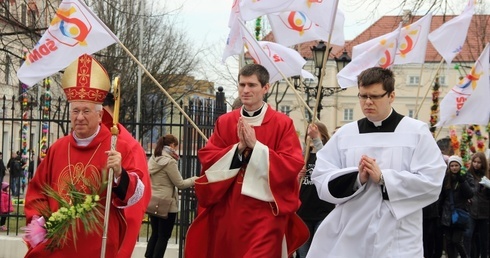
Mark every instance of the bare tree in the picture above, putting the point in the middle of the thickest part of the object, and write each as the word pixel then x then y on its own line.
pixel 165 51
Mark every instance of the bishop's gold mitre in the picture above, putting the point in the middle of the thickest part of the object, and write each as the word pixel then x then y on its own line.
pixel 86 80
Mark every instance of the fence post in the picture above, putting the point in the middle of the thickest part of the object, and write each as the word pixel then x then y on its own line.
pixel 220 102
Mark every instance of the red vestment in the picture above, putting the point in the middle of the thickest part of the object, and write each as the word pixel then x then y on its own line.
pixel 234 225
pixel 134 214
pixel 67 161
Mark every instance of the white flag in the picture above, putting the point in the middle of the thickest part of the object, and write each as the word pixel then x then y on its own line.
pixel 235 12
pixel 320 12
pixel 280 61
pixel 294 27
pixel 234 42
pixel 381 54
pixel 251 9
pixel 412 44
pixel 448 39
pixel 467 102
pixel 74 31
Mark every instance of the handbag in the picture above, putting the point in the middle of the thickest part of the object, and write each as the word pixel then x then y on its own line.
pixel 459 217
pixel 159 207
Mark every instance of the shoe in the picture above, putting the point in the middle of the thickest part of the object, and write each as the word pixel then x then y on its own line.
pixel 3 228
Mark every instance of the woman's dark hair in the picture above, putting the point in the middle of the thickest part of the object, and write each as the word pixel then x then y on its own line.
pixel 322 129
pixel 165 141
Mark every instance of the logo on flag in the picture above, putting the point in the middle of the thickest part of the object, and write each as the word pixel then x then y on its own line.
pixel 470 94
pixel 409 40
pixel 70 27
pixel 465 88
pixel 387 59
pixel 72 24
pixel 297 21
pixel 75 30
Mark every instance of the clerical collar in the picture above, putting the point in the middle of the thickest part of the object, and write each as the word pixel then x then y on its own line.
pixel 379 123
pixel 257 119
pixel 86 141
pixel 389 124
pixel 252 113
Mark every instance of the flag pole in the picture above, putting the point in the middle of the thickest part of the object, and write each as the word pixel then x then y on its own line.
pixel 428 89
pixel 288 82
pixel 319 89
pixel 418 89
pixel 147 73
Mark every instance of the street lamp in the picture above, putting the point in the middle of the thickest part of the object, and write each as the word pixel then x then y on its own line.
pixel 319 52
pixel 342 60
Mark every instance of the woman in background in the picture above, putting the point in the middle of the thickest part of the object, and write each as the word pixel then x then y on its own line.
pixel 476 236
pixel 312 210
pixel 165 176
pixel 458 187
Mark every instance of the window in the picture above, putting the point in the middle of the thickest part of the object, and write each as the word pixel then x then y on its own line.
pixel 285 109
pixel 413 80
pixel 411 113
pixel 442 80
pixel 348 114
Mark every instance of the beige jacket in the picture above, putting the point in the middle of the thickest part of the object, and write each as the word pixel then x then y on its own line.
pixel 165 176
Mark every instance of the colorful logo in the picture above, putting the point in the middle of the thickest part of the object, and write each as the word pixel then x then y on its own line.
pixel 463 89
pixel 70 26
pixel 409 40
pixel 297 21
pixel 387 59
pixel 310 2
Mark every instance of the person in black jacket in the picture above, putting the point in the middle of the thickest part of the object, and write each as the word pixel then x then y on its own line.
pixel 16 166
pixel 3 169
pixel 476 236
pixel 461 187
pixel 312 210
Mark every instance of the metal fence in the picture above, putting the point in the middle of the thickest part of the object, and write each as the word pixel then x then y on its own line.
pixel 32 128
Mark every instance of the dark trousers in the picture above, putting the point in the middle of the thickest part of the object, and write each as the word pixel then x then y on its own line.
pixel 454 242
pixel 15 185
pixel 433 238
pixel 3 219
pixel 479 240
pixel 161 231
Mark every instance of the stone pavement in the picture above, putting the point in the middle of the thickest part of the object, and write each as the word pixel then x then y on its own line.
pixel 12 246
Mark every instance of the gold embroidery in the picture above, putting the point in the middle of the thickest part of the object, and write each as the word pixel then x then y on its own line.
pixel 79 173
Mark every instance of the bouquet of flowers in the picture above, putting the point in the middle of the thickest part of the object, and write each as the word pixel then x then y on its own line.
pixel 76 209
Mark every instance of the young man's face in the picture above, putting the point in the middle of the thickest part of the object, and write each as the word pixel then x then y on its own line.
pixel 251 93
pixel 375 101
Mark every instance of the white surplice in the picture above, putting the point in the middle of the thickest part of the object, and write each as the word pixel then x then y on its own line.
pixel 363 224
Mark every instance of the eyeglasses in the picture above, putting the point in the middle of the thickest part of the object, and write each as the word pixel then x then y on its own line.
pixel 364 97
pixel 85 112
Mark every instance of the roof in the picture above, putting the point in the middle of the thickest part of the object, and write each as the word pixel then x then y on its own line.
pixel 478 36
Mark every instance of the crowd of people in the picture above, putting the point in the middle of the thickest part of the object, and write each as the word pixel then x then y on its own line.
pixel 376 187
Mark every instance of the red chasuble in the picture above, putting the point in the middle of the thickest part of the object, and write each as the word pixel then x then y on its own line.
pixel 67 161
pixel 135 213
pixel 234 225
